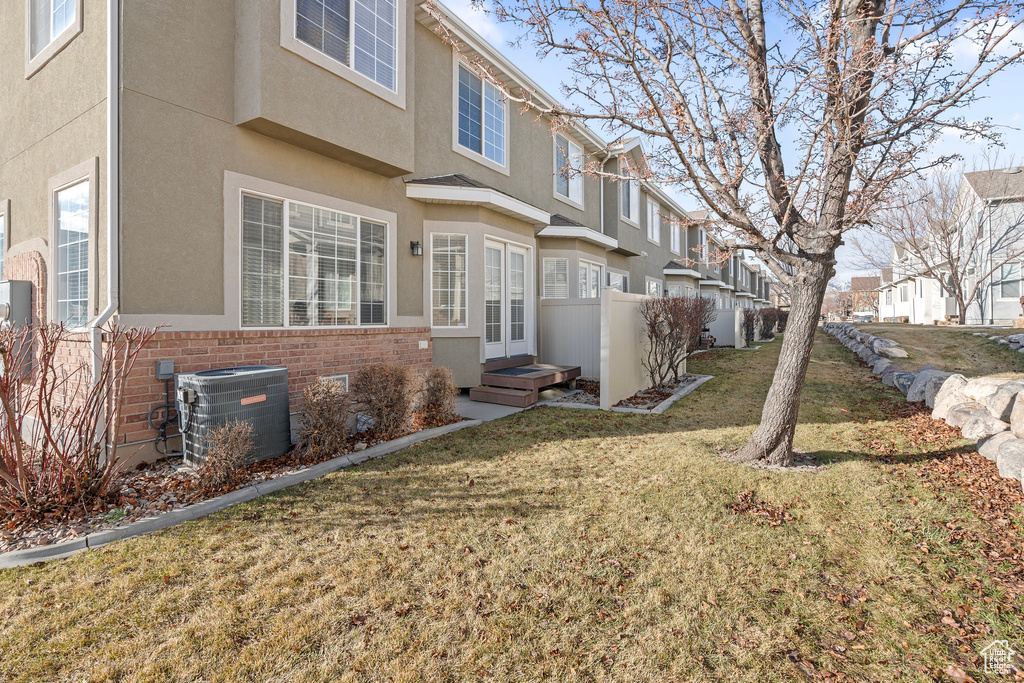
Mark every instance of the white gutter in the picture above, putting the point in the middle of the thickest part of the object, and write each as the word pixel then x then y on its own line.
pixel 113 184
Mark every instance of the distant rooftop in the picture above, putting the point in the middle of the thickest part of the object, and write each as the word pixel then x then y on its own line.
pixel 1001 182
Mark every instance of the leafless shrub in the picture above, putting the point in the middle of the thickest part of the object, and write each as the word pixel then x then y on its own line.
pixel 385 394
pixel 750 324
pixel 438 396
pixel 56 423
pixel 227 448
pixel 673 326
pixel 769 318
pixel 325 409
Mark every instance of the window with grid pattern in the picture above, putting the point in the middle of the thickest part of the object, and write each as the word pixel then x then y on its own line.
pixel 324 268
pixel 49 18
pixel 481 117
pixel 72 218
pixel 360 34
pixel 448 278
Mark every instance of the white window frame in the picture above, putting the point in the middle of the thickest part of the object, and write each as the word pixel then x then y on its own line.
pixel 675 243
pixel 633 217
pixel 573 152
pixel 389 283
pixel 653 220
pixel 648 281
pixel 888 297
pixel 702 243
pixel 625 280
pixel 478 157
pixel 85 172
pixel 465 282
pixel 589 267
pixel 1020 289
pixel 290 42
pixel 34 63
pixel 543 277
pixel 5 233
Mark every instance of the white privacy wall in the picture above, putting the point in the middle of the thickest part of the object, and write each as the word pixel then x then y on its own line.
pixel 570 334
pixel 622 346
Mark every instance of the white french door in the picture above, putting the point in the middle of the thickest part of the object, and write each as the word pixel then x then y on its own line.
pixel 508 303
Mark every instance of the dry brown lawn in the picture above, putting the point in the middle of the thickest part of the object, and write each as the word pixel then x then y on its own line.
pixel 556 544
pixel 951 348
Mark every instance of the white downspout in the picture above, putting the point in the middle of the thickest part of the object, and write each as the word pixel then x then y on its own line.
pixel 113 183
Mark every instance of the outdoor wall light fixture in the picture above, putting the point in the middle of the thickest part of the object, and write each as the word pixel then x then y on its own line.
pixel 417 248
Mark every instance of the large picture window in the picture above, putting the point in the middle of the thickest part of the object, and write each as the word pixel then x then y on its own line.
pixel 360 34
pixel 306 266
pixel 481 117
pixel 448 280
pixel 71 213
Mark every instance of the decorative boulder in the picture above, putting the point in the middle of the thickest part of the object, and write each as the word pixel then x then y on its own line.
pixel 903 380
pixel 980 388
pixel 879 366
pixel 889 375
pixel 1002 341
pixel 1010 460
pixel 1017 418
pixel 917 390
pixel 988 447
pixel 961 412
pixel 948 395
pixel 981 424
pixel 893 352
pixel 1000 403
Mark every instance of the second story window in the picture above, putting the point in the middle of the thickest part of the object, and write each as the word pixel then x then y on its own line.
pixel 673 231
pixel 361 34
pixel 49 19
pixel 630 200
pixel 568 170
pixel 653 221
pixel 481 117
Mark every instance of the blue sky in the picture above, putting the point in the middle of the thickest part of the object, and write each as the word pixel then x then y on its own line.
pixel 1003 103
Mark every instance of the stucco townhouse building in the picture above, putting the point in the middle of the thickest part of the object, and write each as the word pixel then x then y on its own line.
pixel 316 184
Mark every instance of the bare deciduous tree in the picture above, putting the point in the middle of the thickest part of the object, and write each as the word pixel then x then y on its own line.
pixel 950 234
pixel 790 122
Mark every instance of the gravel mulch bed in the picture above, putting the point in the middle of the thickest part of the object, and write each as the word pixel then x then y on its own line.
pixel 168 484
pixel 590 394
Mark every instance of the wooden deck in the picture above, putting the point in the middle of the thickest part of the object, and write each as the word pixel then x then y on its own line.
pixel 517 382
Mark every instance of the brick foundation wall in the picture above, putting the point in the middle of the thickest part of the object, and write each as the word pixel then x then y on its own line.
pixel 307 354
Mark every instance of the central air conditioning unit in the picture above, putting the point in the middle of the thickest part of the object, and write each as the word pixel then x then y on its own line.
pixel 257 394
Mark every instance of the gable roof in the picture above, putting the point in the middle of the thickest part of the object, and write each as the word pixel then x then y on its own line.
pixel 865 284
pixel 997 183
pixel 886 275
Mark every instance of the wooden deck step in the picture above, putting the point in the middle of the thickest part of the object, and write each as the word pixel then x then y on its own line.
pixel 519 398
pixel 533 376
pixel 510 362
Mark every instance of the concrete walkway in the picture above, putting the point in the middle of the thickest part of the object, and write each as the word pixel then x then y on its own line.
pixel 477 410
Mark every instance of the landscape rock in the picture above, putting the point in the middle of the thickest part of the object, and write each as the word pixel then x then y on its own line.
pixel 888 376
pixel 988 447
pixel 879 366
pixel 1002 341
pixel 1017 419
pixel 958 415
pixel 903 380
pixel 893 352
pixel 981 424
pixel 948 395
pixel 1010 460
pixel 1000 403
pixel 916 393
pixel 980 388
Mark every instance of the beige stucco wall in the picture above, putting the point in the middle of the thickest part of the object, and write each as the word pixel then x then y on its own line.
pixel 51 123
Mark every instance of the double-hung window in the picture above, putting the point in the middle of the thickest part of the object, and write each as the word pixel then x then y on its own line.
pixel 1009 285
pixel 654 287
pixel 49 18
pixel 306 266
pixel 71 215
pixel 568 169
pixel 481 117
pixel 653 221
pixel 702 243
pixel 630 200
pixel 589 280
pixel 618 282
pixel 673 231
pixel 448 280
pixel 556 278
pixel 361 34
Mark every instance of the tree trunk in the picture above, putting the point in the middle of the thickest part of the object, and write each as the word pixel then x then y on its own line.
pixel 773 439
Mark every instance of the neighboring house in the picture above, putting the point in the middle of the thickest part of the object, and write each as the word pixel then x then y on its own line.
pixel 298 187
pixel 864 292
pixel 990 223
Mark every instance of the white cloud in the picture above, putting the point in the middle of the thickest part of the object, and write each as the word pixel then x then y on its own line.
pixel 967 47
pixel 478 19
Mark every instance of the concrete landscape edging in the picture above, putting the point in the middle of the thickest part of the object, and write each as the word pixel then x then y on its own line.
pixel 97 539
pixel 656 410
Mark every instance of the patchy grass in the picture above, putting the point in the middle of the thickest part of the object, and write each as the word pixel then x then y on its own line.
pixel 950 348
pixel 555 545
